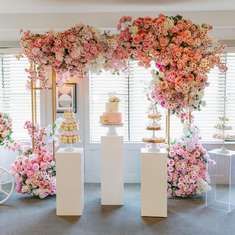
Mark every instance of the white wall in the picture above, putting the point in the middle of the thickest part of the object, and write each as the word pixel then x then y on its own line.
pixel 11 24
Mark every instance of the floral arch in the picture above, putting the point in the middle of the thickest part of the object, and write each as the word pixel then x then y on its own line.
pixel 182 51
pixel 183 54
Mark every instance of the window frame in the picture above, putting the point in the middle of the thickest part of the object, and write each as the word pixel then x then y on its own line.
pixel 17 51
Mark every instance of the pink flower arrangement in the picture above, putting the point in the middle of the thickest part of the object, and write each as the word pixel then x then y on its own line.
pixel 5 128
pixel 187 166
pixel 35 174
pixel 34 169
pixel 181 50
pixel 69 52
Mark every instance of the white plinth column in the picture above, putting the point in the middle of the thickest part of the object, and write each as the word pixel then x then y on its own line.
pixel 154 183
pixel 69 182
pixel 112 185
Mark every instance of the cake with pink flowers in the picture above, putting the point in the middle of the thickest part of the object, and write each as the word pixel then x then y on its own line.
pixel 111 116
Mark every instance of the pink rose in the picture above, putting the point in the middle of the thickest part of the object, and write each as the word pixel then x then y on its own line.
pixel 35 167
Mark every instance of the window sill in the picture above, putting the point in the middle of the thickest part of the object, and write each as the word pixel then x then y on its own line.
pixel 207 142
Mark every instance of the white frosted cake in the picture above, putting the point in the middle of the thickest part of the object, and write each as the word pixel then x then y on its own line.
pixel 111 116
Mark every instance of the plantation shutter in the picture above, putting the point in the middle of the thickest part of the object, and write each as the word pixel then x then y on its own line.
pixel 214 97
pixel 100 86
pixel 230 76
pixel 15 98
pixel 207 118
pixel 139 81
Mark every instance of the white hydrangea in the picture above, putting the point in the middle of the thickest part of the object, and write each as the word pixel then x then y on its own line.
pixel 169 23
pixel 202 186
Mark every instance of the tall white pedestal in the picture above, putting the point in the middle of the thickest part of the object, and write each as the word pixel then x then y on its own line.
pixel 153 183
pixel 112 186
pixel 69 182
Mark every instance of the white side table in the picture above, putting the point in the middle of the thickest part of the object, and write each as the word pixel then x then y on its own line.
pixel 69 182
pixel 112 170
pixel 221 194
pixel 154 183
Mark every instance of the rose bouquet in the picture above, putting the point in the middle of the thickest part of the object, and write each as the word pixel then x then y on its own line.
pixel 187 166
pixel 35 174
pixel 182 51
pixel 34 169
pixel 69 53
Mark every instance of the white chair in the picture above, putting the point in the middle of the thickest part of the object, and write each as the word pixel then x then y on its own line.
pixel 7 185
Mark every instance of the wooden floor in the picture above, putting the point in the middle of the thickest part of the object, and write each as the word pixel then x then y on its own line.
pixel 26 216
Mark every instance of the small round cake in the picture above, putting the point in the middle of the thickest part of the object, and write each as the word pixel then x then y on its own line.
pixel 153 128
pixel 155 140
pixel 155 116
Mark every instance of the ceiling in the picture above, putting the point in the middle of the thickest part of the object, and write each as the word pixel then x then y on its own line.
pixel 61 14
pixel 76 6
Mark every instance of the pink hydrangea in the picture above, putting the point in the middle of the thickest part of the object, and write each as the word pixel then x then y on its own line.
pixel 181 50
pixel 34 169
pixel 187 167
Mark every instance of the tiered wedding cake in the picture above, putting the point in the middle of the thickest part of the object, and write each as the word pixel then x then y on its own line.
pixel 111 116
pixel 69 129
pixel 154 117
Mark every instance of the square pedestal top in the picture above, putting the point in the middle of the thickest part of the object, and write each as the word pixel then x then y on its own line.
pixel 146 151
pixel 75 150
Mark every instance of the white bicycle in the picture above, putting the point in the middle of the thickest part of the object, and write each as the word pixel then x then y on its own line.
pixel 7 184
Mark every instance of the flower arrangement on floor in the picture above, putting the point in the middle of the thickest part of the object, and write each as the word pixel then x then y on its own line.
pixel 34 169
pixel 182 51
pixel 187 165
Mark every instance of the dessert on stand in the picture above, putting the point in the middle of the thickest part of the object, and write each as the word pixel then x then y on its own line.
pixel 112 118
pixel 223 132
pixel 152 142
pixel 69 130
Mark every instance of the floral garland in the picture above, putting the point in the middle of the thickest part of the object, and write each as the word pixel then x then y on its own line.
pixel 187 171
pixel 181 50
pixel 69 52
pixel 34 169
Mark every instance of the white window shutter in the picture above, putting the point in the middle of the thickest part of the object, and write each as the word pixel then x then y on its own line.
pixel 100 86
pixel 15 98
pixel 132 88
